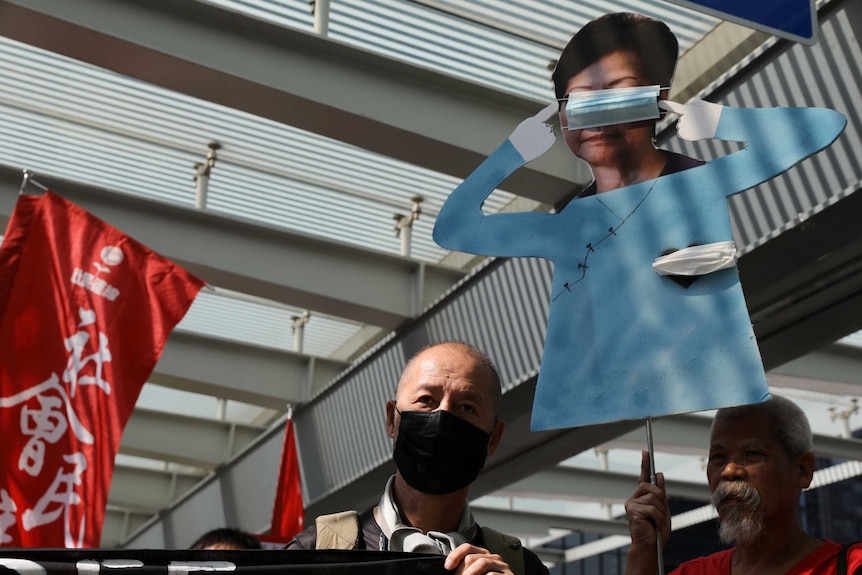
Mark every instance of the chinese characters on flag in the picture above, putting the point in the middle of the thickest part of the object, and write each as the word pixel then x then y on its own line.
pixel 84 314
pixel 287 513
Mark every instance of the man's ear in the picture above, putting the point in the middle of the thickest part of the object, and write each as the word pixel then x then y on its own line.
pixel 391 426
pixel 806 469
pixel 496 435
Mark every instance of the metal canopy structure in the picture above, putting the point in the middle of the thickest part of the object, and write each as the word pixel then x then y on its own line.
pixel 323 138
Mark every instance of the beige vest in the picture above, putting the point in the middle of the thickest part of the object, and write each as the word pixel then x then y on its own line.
pixel 341 531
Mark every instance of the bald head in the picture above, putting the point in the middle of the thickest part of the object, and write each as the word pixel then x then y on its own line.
pixel 472 360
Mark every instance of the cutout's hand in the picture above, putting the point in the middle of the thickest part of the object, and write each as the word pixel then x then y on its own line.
pixel 535 136
pixel 468 559
pixel 698 119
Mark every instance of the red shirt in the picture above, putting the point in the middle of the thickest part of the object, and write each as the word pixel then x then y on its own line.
pixel 821 561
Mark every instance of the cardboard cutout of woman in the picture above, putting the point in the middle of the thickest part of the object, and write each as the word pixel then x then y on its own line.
pixel 626 340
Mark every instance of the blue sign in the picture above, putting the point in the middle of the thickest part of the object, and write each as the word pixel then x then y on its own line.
pixel 622 340
pixel 791 19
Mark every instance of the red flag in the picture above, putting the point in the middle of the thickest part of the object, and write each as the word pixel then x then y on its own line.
pixel 84 314
pixel 287 514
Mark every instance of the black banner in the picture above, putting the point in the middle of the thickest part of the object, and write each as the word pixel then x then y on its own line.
pixel 244 562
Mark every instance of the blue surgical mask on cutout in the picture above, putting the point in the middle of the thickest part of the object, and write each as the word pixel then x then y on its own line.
pixel 595 108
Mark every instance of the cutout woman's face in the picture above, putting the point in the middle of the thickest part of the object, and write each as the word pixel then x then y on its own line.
pixel 609 145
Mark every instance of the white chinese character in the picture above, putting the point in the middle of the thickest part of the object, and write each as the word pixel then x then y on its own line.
pixel 78 277
pixel 45 424
pixel 87 317
pixel 111 292
pixel 31 459
pixel 59 497
pixel 77 360
pixel 99 286
pixel 7 515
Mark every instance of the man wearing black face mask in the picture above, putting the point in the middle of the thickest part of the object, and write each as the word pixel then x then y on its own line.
pixel 445 422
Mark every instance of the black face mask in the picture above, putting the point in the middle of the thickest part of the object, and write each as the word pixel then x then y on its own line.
pixel 437 452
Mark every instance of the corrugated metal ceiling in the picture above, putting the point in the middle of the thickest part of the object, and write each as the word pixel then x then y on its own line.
pixel 74 121
pixel 506 45
pixel 70 120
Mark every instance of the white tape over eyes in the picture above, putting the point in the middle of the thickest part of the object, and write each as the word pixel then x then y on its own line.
pixel 595 108
pixel 697 260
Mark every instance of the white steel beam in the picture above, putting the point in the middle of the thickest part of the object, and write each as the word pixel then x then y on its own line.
pixel 183 439
pixel 689 434
pixel 305 272
pixel 297 78
pixel 712 56
pixel 833 364
pixel 241 372
pixel 809 384
pixel 119 523
pixel 146 491
pixel 575 484
pixel 529 523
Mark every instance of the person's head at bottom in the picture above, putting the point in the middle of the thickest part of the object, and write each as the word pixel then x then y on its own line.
pixel 445 421
pixel 226 538
pixel 759 462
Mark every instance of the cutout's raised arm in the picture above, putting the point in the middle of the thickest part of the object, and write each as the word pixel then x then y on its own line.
pixel 776 139
pixel 461 224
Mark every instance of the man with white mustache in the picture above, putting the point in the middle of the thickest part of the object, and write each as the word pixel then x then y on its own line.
pixel 760 460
